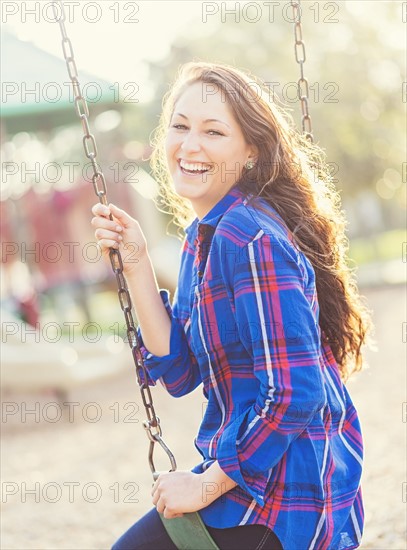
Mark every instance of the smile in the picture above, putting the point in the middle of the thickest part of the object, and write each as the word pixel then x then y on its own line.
pixel 194 168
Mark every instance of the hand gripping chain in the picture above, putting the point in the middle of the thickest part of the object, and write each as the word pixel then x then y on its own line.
pixel 152 424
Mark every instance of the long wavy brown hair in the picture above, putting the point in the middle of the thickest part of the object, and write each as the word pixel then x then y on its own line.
pixel 292 176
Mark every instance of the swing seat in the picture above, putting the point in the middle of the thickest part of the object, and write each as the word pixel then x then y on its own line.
pixel 31 362
pixel 189 532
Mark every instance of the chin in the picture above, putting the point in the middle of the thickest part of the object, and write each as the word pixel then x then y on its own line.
pixel 186 189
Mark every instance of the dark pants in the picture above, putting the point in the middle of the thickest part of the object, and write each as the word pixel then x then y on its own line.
pixel 149 534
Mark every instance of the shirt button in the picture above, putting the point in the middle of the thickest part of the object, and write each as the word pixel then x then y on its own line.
pixel 200 273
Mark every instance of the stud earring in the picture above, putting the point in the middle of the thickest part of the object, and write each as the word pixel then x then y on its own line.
pixel 250 164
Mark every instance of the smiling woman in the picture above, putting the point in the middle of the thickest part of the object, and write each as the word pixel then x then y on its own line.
pixel 205 156
pixel 266 317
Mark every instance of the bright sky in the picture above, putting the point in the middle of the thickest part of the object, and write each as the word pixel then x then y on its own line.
pixel 119 41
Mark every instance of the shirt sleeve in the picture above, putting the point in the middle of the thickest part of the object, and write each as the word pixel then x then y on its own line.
pixel 178 371
pixel 277 325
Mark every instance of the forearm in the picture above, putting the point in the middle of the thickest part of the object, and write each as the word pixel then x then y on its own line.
pixel 215 483
pixel 150 311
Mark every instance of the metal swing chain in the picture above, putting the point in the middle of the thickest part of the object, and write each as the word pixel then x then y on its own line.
pixel 99 185
pixel 300 57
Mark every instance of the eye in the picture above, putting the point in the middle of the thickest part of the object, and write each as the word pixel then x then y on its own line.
pixel 179 126
pixel 215 132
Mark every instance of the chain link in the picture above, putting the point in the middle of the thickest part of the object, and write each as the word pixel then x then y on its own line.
pixel 300 57
pixel 99 185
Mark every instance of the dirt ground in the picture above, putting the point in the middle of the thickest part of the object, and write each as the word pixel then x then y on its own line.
pixel 80 481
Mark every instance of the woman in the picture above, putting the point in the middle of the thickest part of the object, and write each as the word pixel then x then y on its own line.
pixel 280 439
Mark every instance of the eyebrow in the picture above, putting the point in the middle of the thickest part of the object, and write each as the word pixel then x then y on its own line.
pixel 206 120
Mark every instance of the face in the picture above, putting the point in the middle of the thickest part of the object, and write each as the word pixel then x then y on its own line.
pixel 205 147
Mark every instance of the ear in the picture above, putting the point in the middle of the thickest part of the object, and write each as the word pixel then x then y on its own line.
pixel 253 153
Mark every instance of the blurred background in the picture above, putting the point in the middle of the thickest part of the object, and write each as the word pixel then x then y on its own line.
pixel 62 327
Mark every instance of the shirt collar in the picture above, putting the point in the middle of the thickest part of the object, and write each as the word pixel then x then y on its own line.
pixel 233 196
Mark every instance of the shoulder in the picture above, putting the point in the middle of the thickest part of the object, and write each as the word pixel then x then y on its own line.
pixel 257 225
pixel 248 221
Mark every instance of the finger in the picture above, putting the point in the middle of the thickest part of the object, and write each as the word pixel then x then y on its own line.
pixel 154 488
pixel 107 243
pixel 100 210
pixel 105 223
pixel 160 506
pixel 105 234
pixel 121 216
pixel 155 493
pixel 168 514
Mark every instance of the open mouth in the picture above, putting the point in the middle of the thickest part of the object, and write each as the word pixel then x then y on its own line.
pixel 194 168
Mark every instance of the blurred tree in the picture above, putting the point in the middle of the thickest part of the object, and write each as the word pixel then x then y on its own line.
pixel 354 68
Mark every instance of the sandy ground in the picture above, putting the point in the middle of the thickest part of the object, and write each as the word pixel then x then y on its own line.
pixel 79 482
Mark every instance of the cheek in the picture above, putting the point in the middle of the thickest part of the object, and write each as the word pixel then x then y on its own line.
pixel 239 156
pixel 171 146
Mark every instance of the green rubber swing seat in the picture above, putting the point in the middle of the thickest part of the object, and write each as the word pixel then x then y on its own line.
pixel 189 532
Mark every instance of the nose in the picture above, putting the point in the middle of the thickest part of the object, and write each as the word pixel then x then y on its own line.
pixel 190 142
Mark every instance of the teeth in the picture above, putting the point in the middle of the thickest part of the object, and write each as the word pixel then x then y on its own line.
pixel 194 166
